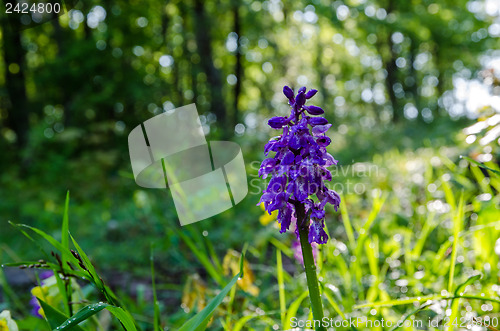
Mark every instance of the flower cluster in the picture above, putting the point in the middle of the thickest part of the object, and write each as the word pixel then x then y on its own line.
pixel 299 167
pixel 41 291
pixel 48 291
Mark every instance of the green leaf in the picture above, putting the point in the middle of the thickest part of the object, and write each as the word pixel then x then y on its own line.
pixel 293 308
pixel 124 317
pixel 470 280
pixel 242 321
pixel 405 317
pixel 50 266
pixel 82 315
pixel 203 258
pixel 199 321
pixel 333 303
pixel 281 286
pixel 64 292
pixel 457 226
pixel 86 261
pixel 56 244
pixel 347 223
pixel 54 316
pixel 397 302
pixel 65 228
pixel 480 164
pixel 23 263
pixel 157 319
pixel 456 301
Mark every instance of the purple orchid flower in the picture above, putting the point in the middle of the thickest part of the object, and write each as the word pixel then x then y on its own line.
pixel 299 167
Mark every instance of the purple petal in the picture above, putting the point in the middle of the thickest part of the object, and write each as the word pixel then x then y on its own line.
pixel 318 213
pixel 323 141
pixel 314 110
pixel 288 158
pixel 300 100
pixel 317 121
pixel 277 184
pixel 266 198
pixel 294 142
pixel 333 198
pixel 267 166
pixel 46 274
pixel 277 122
pixel 35 305
pixel 311 93
pixel 319 129
pixel 325 173
pixel 287 91
pixel 329 160
pixel 279 202
pixel 285 218
pixel 317 233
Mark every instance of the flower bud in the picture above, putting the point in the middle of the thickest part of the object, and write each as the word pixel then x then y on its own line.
pixel 287 91
pixel 313 110
pixel 277 122
pixel 300 100
pixel 311 93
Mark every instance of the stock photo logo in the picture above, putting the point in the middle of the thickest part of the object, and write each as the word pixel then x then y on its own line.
pixel 25 14
pixel 170 151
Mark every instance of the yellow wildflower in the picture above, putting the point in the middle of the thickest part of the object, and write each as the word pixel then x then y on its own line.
pixel 265 219
pixel 6 322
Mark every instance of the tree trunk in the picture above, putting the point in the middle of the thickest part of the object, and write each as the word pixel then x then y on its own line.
pixel 61 53
pixel 14 56
pixel 391 68
pixel 238 68
pixel 413 73
pixel 441 83
pixel 203 40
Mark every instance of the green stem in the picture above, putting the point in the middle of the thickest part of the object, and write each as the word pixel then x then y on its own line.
pixel 310 266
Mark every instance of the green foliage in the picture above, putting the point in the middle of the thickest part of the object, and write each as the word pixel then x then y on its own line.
pixel 419 219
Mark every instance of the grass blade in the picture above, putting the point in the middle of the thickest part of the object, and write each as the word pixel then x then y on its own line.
pixel 397 302
pixel 157 318
pixel 56 244
pixel 65 228
pixel 124 317
pixel 86 261
pixel 199 321
pixel 334 304
pixel 281 286
pixel 457 224
pixel 469 281
pixel 479 164
pixel 347 223
pixel 203 258
pixel 292 310
pixel 82 315
pixel 53 316
pixel 242 321
pixel 405 317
